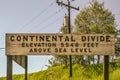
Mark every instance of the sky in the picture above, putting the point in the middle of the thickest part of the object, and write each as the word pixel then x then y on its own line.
pixel 38 16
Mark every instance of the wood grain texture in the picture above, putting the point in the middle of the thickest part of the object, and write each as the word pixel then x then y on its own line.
pixel 60 44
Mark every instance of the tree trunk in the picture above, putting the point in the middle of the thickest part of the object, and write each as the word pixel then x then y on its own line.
pixel 98 62
pixel 93 59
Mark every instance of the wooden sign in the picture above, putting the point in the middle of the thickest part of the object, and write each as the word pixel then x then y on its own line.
pixel 60 44
pixel 19 60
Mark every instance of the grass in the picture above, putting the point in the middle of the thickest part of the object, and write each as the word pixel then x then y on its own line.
pixel 86 72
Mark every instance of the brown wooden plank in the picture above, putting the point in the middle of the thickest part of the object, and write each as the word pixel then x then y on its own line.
pixel 19 60
pixel 9 67
pixel 106 67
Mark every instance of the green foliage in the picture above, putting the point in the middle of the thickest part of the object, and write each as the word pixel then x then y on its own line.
pixel 64 29
pixel 95 19
pixel 86 72
pixel 117 47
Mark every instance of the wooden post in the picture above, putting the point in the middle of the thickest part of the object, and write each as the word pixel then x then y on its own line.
pixel 26 67
pixel 106 67
pixel 69 32
pixel 69 26
pixel 9 67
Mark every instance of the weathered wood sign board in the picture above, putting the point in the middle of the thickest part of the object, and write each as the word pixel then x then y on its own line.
pixel 60 44
pixel 19 60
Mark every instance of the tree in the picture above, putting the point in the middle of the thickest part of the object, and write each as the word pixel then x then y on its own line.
pixel 95 19
pixel 117 45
